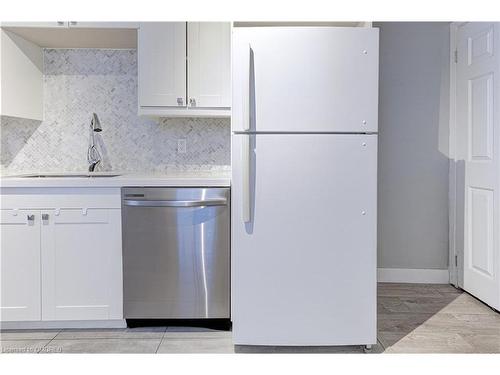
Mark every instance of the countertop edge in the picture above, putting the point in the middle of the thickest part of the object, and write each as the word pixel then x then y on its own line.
pixel 112 182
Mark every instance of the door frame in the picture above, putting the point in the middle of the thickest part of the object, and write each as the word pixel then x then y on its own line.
pixel 455 262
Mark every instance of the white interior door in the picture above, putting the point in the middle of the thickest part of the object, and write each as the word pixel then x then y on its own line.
pixel 305 79
pixel 304 259
pixel 162 64
pixel 209 64
pixel 478 131
pixel 20 265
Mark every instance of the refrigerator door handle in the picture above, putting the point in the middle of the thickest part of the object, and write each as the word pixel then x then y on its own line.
pixel 246 88
pixel 245 171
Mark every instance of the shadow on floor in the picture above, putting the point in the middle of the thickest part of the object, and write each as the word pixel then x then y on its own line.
pixel 402 308
pixel 435 318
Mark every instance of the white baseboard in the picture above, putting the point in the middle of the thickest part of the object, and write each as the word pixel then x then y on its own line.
pixel 411 275
pixel 61 324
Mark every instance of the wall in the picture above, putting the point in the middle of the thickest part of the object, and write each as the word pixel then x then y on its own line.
pixel 78 82
pixel 413 145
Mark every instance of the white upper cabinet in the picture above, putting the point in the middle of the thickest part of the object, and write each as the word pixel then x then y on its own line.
pixel 209 64
pixel 179 81
pixel 21 72
pixel 162 64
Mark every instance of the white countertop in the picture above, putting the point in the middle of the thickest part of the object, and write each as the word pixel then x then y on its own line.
pixel 103 179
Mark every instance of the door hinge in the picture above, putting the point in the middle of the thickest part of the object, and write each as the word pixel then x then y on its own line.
pixel 456 260
pixel 456 56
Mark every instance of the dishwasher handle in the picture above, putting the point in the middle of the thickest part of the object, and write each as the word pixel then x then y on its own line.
pixel 175 203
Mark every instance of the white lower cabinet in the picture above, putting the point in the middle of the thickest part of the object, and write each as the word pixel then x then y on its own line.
pixel 81 264
pixel 20 265
pixel 61 264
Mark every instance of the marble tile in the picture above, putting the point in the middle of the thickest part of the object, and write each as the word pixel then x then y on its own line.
pixel 21 334
pixel 103 346
pixel 22 346
pixel 121 333
pixel 78 82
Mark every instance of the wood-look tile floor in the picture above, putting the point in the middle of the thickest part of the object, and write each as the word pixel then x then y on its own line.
pixel 412 318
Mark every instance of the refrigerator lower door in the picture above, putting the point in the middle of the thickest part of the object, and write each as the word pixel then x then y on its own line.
pixel 304 239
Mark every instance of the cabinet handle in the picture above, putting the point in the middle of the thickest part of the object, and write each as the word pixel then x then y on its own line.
pixel 249 75
pixel 245 174
pixel 72 23
pixel 31 218
pixel 180 101
pixel 192 102
pixel 45 216
pixel 60 23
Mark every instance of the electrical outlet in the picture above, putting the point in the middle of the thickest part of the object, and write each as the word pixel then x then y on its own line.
pixel 181 146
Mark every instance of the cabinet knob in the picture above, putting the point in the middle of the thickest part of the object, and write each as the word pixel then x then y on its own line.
pixel 192 102
pixel 45 216
pixel 31 218
pixel 180 101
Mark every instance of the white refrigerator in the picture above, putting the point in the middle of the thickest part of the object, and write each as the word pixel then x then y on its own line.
pixel 304 185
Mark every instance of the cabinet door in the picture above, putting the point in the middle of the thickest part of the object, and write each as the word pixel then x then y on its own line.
pixel 81 262
pixel 209 64
pixel 162 64
pixel 20 265
pixel 21 77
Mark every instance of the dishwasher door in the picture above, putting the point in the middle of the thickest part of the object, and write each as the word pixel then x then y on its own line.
pixel 176 253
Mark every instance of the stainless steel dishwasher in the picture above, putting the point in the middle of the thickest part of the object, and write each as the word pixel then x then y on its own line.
pixel 176 253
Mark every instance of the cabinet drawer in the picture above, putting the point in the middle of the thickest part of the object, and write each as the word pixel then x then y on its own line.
pixel 80 216
pixel 22 217
pixel 48 198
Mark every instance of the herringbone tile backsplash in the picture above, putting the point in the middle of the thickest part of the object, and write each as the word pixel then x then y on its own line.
pixel 78 82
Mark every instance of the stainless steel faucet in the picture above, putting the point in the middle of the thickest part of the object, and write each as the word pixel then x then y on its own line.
pixel 93 155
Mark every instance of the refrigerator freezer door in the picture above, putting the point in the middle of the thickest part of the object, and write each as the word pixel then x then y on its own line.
pixel 305 79
pixel 304 264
